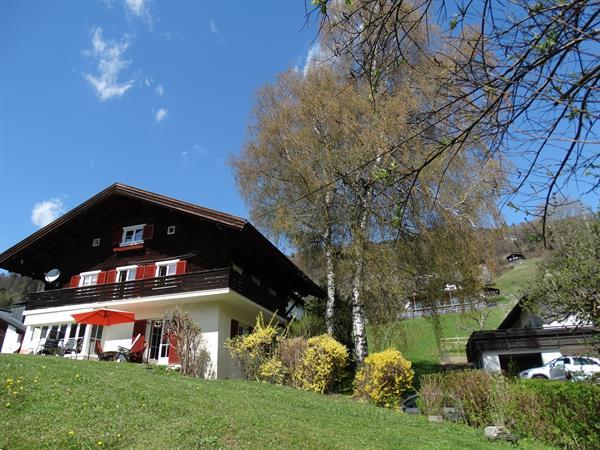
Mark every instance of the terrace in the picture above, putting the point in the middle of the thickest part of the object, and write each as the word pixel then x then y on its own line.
pixel 204 280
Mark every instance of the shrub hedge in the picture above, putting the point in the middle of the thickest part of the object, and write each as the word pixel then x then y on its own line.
pixel 560 413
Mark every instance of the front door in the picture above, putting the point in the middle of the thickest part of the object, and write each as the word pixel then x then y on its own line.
pixel 159 343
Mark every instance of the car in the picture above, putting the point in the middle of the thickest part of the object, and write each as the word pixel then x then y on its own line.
pixel 564 368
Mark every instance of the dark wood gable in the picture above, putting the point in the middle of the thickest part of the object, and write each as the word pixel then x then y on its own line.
pixel 89 238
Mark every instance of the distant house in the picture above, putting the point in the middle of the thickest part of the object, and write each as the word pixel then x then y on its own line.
pixel 133 250
pixel 524 341
pixel 515 257
pixel 489 291
pixel 11 329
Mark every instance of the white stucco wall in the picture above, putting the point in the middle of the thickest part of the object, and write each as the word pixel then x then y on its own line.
pixel 11 340
pixel 491 361
pixel 212 312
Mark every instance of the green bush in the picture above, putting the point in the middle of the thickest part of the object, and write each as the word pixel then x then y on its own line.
pixel 469 391
pixel 322 365
pixel 561 413
pixel 308 326
pixel 564 413
pixel 383 378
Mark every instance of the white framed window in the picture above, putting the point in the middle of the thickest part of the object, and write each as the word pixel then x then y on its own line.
pixel 88 278
pixel 171 229
pixel 96 242
pixel 255 280
pixel 132 235
pixel 166 268
pixel 126 273
pixel 237 268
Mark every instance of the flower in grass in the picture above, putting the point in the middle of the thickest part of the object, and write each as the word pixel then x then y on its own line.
pixel 7 404
pixel 71 433
pixel 9 381
pixel 100 443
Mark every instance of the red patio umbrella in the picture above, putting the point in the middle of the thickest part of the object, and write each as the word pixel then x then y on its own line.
pixel 104 317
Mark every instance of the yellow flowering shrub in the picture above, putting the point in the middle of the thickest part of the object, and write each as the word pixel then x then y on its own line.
pixel 255 353
pixel 272 370
pixel 322 365
pixel 383 378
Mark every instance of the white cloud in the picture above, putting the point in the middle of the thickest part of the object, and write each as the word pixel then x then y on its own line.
pixel 160 90
pixel 47 211
pixel 139 8
pixel 160 115
pixel 184 154
pixel 214 30
pixel 315 56
pixel 109 56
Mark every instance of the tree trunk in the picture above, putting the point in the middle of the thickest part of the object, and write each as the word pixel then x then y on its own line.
pixel 359 332
pixel 330 307
pixel 359 322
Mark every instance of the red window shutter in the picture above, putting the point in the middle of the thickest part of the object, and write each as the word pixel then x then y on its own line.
pixel 111 276
pixel 139 273
pixel 117 236
pixel 74 281
pixel 173 355
pixel 150 271
pixel 139 327
pixel 148 232
pixel 234 328
pixel 101 278
pixel 180 267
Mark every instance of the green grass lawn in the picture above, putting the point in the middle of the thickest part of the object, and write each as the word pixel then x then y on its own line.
pixel 515 280
pixel 87 404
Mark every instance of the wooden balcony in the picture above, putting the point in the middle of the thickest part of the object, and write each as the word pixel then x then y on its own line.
pixel 149 287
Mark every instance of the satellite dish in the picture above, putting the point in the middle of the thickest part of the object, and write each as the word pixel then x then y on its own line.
pixel 52 275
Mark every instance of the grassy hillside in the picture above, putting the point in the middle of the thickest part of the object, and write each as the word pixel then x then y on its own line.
pixel 415 338
pixel 87 404
pixel 515 280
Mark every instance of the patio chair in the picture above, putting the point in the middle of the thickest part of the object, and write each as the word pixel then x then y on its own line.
pixel 136 352
pixel 102 355
pixel 49 347
pixel 73 345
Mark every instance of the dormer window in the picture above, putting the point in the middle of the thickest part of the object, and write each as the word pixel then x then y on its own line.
pixel 132 235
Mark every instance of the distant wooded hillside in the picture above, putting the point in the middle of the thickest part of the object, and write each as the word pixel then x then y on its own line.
pixel 14 288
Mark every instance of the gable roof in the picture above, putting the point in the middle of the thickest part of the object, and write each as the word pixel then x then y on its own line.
pixel 220 218
pixel 6 316
pixel 512 317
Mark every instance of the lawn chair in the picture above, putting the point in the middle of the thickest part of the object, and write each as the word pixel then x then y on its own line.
pixel 102 355
pixel 73 345
pixel 136 352
pixel 50 347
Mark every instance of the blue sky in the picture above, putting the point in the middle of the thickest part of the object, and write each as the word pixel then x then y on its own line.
pixel 152 94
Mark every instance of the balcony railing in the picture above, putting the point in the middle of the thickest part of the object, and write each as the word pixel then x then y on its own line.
pixel 149 287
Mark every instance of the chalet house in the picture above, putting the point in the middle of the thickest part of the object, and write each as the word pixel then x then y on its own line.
pixel 133 250
pixel 525 341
